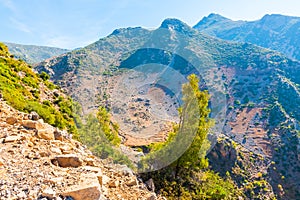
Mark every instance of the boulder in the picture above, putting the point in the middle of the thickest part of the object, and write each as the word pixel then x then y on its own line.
pixel 49 193
pixel 67 160
pixel 33 124
pixel 11 139
pixel 58 135
pixel 132 182
pixel 34 116
pixel 85 191
pixel 46 134
pixel 11 120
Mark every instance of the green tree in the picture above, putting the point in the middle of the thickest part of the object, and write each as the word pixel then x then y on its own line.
pixel 187 177
pixel 194 157
pixel 108 127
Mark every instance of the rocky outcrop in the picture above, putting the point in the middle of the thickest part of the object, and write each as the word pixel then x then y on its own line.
pixel 38 161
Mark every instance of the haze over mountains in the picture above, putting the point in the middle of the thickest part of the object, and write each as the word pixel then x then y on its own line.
pixel 33 53
pixel 277 32
pixel 255 63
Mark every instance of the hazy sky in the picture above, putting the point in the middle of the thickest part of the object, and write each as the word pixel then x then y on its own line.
pixel 76 23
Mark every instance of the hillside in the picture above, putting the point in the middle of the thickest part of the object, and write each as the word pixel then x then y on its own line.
pixel 32 53
pixel 260 88
pixel 38 161
pixel 38 157
pixel 277 32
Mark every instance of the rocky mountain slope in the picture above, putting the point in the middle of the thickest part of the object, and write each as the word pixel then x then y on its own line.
pixel 261 89
pixel 38 161
pixel 42 161
pixel 277 32
pixel 32 53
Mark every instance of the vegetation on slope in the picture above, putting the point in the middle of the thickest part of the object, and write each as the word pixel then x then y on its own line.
pixel 188 177
pixel 22 88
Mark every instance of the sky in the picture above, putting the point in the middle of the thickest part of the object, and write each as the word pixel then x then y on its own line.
pixel 76 23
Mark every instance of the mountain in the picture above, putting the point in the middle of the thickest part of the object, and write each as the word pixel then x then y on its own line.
pixel 32 53
pixel 260 88
pixel 39 159
pixel 277 32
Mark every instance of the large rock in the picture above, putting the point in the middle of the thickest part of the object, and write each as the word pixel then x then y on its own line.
pixel 132 182
pixel 47 134
pixel 12 139
pixel 88 190
pixel 68 160
pixel 34 116
pixel 11 120
pixel 49 193
pixel 33 124
pixel 58 135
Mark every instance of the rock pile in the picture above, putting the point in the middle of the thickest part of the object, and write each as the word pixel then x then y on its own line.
pixel 38 161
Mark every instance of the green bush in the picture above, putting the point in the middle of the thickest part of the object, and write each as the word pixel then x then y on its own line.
pixel 19 87
pixel 44 76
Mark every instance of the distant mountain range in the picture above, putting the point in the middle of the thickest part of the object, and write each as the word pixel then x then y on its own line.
pixel 32 53
pixel 277 32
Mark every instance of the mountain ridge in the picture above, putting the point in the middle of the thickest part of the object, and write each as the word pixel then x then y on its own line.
pixel 34 53
pixel 275 31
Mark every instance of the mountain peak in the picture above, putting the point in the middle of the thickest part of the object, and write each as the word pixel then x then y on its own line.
pixel 177 25
pixel 276 21
pixel 123 30
pixel 210 20
pixel 216 17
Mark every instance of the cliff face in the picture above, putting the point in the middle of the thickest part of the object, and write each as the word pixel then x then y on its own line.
pixel 38 160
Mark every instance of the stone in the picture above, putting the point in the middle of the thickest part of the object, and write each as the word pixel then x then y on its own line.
pixel 103 179
pixel 11 139
pixel 33 124
pixel 55 150
pixel 68 160
pixel 22 195
pixel 92 169
pixel 150 185
pixel 126 171
pixel 132 182
pixel 152 197
pixel 113 184
pixel 34 116
pixel 58 135
pixel 66 149
pixel 90 161
pixel 46 134
pixel 84 191
pixel 49 193
pixel 11 120
pixel 44 154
